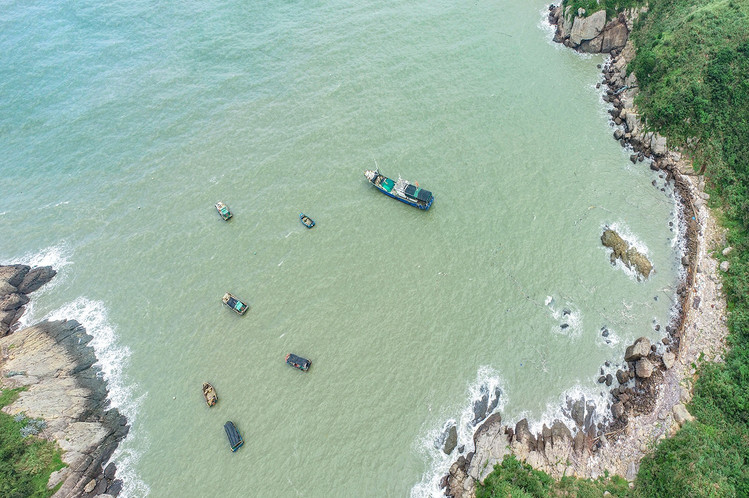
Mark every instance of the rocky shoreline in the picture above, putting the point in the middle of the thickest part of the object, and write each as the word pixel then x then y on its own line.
pixel 55 363
pixel 654 381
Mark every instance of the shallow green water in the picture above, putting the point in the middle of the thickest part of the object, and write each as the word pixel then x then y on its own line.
pixel 122 124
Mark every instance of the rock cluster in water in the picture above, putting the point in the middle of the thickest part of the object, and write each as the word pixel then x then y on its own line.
pixel 64 388
pixel 16 281
pixel 630 256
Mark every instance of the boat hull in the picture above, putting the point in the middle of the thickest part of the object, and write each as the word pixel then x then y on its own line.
pixel 401 190
pixel 423 206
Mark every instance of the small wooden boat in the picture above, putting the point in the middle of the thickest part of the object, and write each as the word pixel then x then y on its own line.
pixel 306 220
pixel 223 211
pixel 232 302
pixel 210 394
pixel 295 361
pixel 235 439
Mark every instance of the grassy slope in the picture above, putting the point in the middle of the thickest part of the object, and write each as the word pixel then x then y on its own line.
pixel 693 67
pixel 25 463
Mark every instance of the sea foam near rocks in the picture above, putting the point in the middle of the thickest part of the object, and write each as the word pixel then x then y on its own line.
pixel 54 256
pixel 484 396
pixel 112 359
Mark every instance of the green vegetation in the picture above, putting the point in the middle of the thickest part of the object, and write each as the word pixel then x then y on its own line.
pixel 520 480
pixel 692 65
pixel 26 461
pixel 613 7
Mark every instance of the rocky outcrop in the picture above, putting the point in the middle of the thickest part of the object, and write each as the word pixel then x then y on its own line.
pixel 15 282
pixel 55 363
pixel 590 34
pixel 628 255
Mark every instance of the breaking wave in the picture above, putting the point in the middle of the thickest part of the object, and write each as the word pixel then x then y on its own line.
pixel 484 396
pixel 112 358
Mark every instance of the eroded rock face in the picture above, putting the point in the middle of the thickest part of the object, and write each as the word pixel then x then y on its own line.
pixel 630 256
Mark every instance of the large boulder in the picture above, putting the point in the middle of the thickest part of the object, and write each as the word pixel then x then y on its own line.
pixel 658 145
pixel 451 441
pixel 668 360
pixel 587 28
pixel 614 36
pixel 524 434
pixel 35 278
pixel 639 349
pixel 681 414
pixel 643 368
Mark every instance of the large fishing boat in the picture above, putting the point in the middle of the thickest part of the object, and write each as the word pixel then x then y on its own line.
pixel 411 194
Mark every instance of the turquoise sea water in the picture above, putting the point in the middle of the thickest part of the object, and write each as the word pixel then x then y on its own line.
pixel 122 123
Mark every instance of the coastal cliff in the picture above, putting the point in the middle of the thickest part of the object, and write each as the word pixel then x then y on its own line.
pixel 63 387
pixel 650 389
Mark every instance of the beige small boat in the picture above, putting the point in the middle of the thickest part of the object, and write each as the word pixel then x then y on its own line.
pixel 210 394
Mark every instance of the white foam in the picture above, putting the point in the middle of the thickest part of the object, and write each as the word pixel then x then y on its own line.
pixel 54 256
pixel 112 358
pixel 488 381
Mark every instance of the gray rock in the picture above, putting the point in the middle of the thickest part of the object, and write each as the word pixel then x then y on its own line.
pixel 115 487
pixel 6 288
pixel 578 412
pixel 587 28
pixel 617 409
pixel 614 36
pixel 725 266
pixel 13 302
pixel 640 348
pixel 727 251
pixel 111 468
pixel 101 486
pixel 658 145
pixel 681 415
pixel 35 278
pixel 480 407
pixel 668 359
pixel 591 46
pixel 13 274
pixel 524 434
pixel 90 486
pixel 644 368
pixel 451 441
pixel 560 433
